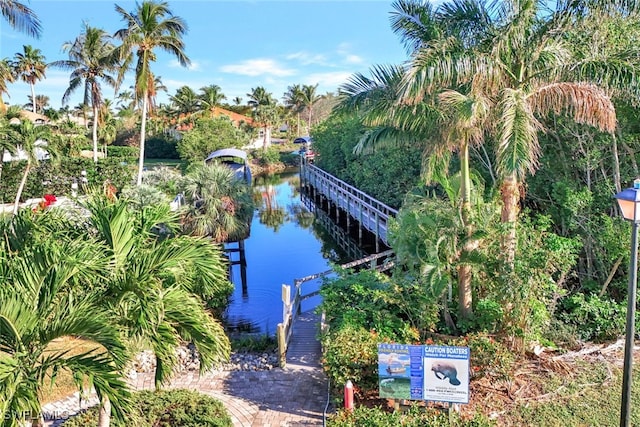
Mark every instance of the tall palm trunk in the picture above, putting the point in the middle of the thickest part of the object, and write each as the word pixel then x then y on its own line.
pixel 33 97
pixel 143 132
pixel 510 194
pixel 23 181
pixel 95 133
pixel 465 294
pixel 264 141
pixel 104 414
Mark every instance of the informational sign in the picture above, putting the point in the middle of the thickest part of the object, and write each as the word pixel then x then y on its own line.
pixel 417 372
pixel 446 373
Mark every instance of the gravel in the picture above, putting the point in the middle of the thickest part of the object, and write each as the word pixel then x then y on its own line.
pixel 187 357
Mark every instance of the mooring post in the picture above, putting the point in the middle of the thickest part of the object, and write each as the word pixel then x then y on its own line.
pixel 282 346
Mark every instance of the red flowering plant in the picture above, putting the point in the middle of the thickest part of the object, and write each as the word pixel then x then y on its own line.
pixel 47 200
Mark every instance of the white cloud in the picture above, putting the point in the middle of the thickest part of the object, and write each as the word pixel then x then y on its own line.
pixel 344 50
pixel 306 58
pixel 258 67
pixel 194 66
pixel 328 81
pixel 353 59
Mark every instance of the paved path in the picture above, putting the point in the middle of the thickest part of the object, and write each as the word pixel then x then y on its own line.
pixel 294 396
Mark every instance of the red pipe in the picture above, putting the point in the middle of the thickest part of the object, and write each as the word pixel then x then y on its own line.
pixel 348 396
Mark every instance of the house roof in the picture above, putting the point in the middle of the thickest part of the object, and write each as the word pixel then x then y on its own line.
pixel 34 117
pixel 236 118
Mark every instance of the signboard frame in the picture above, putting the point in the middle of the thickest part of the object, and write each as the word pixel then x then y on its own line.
pixel 424 372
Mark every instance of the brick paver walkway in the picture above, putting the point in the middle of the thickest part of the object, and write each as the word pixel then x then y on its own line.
pixel 290 397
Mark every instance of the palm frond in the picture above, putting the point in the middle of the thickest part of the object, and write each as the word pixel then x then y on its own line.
pixel 585 103
pixel 518 149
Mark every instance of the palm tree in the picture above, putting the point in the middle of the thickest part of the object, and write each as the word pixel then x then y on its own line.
pixel 185 102
pixel 153 93
pixel 264 110
pixel 20 17
pixel 126 100
pixel 91 61
pixel 6 76
pixel 220 205
pixel 30 66
pixel 293 102
pixel 519 61
pixel 309 97
pixel 82 110
pixel 41 102
pixel 210 97
pixel 108 124
pixel 37 309
pixel 155 283
pixel 152 26
pixel 7 145
pixel 24 136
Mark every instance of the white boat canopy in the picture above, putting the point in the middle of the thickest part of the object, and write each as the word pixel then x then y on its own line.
pixel 227 152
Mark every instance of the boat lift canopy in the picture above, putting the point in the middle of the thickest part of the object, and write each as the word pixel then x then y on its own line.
pixel 227 152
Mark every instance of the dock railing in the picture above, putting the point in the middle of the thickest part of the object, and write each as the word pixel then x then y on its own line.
pixel 371 214
pixel 293 307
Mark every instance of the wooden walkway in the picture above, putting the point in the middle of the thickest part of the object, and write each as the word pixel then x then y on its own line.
pixel 368 212
pixel 304 350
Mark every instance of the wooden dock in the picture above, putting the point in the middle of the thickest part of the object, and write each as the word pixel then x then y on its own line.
pixel 304 348
pixel 369 213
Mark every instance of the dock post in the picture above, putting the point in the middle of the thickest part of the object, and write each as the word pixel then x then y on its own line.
pixel 282 346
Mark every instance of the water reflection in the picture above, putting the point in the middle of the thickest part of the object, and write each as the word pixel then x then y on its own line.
pixel 285 243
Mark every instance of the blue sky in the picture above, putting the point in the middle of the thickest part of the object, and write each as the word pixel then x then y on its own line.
pixel 237 45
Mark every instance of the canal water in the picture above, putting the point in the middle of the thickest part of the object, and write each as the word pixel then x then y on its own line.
pixel 286 242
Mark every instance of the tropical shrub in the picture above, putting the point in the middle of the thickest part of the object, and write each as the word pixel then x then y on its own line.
pixel 387 174
pixel 209 135
pixel 351 353
pixel 267 157
pixel 415 416
pixel 144 195
pixel 163 177
pixel 218 204
pixel 130 154
pixel 370 300
pixel 168 408
pixel 595 318
pixel 56 177
pixel 161 148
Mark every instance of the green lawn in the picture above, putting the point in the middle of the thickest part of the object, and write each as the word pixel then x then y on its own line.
pixel 152 163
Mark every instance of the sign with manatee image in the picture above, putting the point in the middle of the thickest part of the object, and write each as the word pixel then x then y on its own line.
pixel 417 372
pixel 446 373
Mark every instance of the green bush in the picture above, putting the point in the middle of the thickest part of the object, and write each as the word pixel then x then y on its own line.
pixel 370 300
pixel 122 151
pixel 167 408
pixel 489 356
pixel 50 177
pixel 351 353
pixel 595 318
pixel 414 416
pixel 161 148
pixel 267 157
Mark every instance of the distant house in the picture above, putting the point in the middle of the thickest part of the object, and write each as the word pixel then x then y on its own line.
pixel 40 152
pixel 35 118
